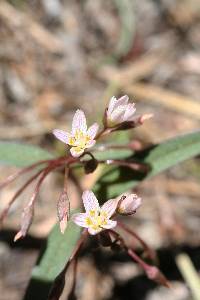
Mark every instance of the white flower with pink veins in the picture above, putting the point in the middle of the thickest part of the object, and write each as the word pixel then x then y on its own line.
pixel 96 218
pixel 80 137
pixel 119 111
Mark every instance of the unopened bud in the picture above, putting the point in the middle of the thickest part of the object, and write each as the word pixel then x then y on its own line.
pixel 90 165
pixel 63 208
pixel 27 217
pixel 128 205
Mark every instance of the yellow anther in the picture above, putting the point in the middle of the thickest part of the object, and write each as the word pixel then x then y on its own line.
pixel 92 213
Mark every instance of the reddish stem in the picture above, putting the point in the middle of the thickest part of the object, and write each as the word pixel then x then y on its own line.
pixel 72 292
pixel 137 166
pixel 134 256
pixel 12 177
pixel 150 252
pixel 53 165
pixel 6 209
pixel 102 132
pixel 152 272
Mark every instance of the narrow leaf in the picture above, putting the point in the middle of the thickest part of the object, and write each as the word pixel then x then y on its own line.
pixel 21 155
pixel 117 180
pixel 58 251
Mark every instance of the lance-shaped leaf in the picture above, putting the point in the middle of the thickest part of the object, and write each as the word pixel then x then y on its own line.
pixel 57 252
pixel 21 155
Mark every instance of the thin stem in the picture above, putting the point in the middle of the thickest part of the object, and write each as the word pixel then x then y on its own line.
pixel 137 166
pixel 77 248
pixel 102 132
pixel 16 195
pixel 53 165
pixel 72 292
pixel 135 257
pixel 117 238
pixel 128 250
pixel 150 252
pixel 45 172
pixel 12 177
pixel 103 147
pixel 88 153
pixel 65 178
pixel 152 272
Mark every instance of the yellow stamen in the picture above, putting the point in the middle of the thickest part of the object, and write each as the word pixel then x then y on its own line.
pixel 92 213
pixel 88 221
pixel 79 140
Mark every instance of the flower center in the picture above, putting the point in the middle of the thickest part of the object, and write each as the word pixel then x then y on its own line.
pixel 80 139
pixel 96 219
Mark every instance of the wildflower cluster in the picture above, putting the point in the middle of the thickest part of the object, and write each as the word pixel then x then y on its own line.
pixel 97 220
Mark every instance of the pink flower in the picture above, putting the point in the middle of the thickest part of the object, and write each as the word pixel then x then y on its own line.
pixel 80 137
pixel 128 205
pixel 119 111
pixel 96 218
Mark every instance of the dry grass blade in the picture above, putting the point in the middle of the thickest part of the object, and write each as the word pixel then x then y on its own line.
pixel 189 273
pixel 16 18
pixel 131 72
pixel 172 100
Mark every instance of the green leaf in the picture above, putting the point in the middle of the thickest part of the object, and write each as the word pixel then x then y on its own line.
pixel 113 154
pixel 117 180
pixel 21 155
pixel 119 138
pixel 58 250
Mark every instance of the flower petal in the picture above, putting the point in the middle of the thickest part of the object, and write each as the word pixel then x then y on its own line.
pixel 80 219
pixel 109 207
pixel 92 130
pixel 62 135
pixel 129 204
pixel 90 144
pixel 79 122
pixel 130 111
pixel 118 113
pixel 111 105
pixel 76 151
pixel 110 224
pixel 114 103
pixel 90 201
pixel 121 101
pixel 93 231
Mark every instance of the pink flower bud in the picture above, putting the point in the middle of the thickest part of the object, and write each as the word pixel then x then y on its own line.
pixel 128 205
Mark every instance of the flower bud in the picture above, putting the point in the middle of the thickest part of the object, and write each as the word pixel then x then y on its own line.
pixel 27 217
pixel 63 209
pixel 128 205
